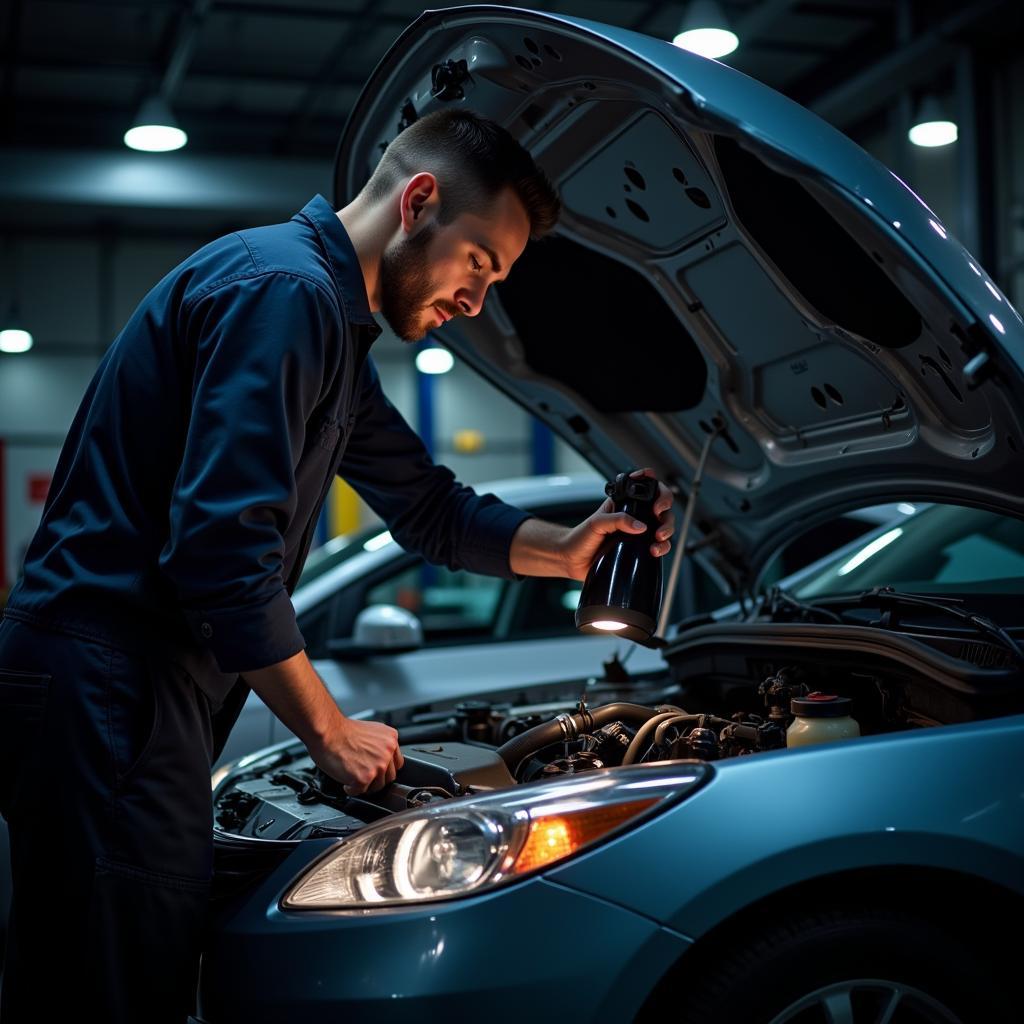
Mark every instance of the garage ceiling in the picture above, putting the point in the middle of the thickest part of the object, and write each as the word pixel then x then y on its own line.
pixel 273 78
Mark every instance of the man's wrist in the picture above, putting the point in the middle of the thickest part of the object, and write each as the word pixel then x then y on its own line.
pixel 538 548
pixel 297 696
pixel 324 728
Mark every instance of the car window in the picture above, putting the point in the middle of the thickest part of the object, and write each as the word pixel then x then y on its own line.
pixel 337 550
pixel 463 607
pixel 817 542
pixel 538 607
pixel 450 605
pixel 945 548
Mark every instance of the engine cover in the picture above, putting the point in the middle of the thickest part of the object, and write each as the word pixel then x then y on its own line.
pixel 454 767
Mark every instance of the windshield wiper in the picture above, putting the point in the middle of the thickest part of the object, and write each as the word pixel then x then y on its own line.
pixel 889 599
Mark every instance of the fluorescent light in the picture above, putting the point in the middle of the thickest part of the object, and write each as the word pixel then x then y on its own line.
pixel 932 128
pixel 434 360
pixel 933 133
pixel 608 625
pixel 155 138
pixel 154 129
pixel 705 31
pixel 870 549
pixel 14 339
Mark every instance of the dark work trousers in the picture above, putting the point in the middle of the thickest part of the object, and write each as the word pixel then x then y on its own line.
pixel 105 784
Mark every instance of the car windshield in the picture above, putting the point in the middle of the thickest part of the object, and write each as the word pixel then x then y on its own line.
pixel 942 549
pixel 341 549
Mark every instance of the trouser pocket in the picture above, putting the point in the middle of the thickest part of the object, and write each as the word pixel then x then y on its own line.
pixel 145 931
pixel 133 709
pixel 22 710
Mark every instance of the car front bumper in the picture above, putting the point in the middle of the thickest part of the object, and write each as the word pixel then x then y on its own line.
pixel 534 951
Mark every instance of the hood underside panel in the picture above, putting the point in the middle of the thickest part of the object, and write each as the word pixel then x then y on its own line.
pixel 733 267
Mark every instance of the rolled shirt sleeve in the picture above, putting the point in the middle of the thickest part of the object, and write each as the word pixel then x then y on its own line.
pixel 263 345
pixel 425 508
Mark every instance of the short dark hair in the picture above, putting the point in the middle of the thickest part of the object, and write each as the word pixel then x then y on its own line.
pixel 473 159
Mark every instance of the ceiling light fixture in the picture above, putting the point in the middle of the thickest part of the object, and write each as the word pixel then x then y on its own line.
pixel 15 339
pixel 932 127
pixel 154 129
pixel 434 360
pixel 705 31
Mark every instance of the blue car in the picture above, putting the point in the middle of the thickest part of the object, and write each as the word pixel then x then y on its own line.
pixel 811 809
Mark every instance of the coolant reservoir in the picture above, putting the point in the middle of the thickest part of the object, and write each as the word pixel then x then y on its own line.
pixel 820 718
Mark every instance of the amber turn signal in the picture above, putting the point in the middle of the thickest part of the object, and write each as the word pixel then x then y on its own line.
pixel 553 837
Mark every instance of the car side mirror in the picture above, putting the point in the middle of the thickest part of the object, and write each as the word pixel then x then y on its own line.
pixel 380 629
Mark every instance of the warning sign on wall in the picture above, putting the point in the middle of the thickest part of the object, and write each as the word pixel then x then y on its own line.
pixel 26 472
pixel 38 487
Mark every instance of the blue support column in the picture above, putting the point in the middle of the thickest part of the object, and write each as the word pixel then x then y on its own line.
pixel 542 449
pixel 425 406
pixel 425 386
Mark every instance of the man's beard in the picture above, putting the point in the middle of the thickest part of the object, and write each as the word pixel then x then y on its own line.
pixel 406 285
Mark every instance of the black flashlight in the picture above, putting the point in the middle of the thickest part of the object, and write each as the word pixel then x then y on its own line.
pixel 622 591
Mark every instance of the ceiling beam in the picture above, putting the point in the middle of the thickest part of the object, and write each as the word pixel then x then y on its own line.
pixel 12 33
pixel 325 76
pixel 183 48
pixel 141 180
pixel 763 16
pixel 903 69
pixel 197 74
pixel 293 11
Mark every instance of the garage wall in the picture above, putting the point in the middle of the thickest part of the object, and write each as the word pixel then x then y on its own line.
pixel 76 292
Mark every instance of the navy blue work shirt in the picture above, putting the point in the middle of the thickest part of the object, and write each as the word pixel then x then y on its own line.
pixel 189 486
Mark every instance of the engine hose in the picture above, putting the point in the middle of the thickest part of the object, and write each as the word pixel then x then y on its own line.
pixel 515 750
pixel 643 734
pixel 663 727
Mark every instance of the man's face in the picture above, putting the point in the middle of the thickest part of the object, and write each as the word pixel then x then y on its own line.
pixel 444 270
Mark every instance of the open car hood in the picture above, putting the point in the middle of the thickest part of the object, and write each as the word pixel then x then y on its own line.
pixel 726 263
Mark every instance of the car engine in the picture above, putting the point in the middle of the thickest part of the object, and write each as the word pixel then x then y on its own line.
pixel 728 692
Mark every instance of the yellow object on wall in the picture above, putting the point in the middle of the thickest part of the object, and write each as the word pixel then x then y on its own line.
pixel 468 442
pixel 344 506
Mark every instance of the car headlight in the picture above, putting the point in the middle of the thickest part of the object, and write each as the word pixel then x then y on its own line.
pixel 476 843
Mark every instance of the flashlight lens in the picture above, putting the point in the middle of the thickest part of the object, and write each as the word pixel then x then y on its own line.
pixel 608 624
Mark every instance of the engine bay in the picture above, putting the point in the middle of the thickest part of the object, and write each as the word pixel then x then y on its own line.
pixel 730 690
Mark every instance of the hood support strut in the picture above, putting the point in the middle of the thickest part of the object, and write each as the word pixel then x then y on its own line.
pixel 691 502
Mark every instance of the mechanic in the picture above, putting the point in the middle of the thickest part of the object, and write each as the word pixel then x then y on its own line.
pixel 156 591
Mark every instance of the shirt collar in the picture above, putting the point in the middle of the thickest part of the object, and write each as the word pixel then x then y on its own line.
pixel 344 261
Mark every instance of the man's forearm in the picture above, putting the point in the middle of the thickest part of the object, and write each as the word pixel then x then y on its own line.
pixel 297 696
pixel 537 549
pixel 361 755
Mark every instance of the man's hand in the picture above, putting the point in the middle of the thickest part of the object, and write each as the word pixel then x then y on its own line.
pixel 584 541
pixel 543 549
pixel 363 756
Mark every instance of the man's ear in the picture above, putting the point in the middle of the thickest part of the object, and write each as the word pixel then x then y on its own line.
pixel 420 201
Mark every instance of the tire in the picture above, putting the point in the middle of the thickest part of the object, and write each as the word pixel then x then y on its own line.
pixel 843 965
